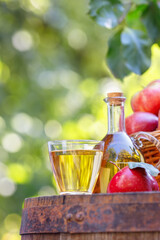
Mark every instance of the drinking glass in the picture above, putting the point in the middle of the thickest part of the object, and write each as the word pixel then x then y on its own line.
pixel 76 164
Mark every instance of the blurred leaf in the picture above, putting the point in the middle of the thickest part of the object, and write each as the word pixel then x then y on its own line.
pixel 140 1
pixel 136 50
pixel 128 51
pixel 133 18
pixel 148 167
pixel 151 20
pixel 107 13
pixel 115 58
pixel 95 5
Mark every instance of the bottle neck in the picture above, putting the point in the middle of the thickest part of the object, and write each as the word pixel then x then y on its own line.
pixel 116 118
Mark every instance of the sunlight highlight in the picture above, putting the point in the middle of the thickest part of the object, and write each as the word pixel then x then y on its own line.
pixel 40 6
pixel 7 187
pixel 53 129
pixel 12 142
pixel 77 39
pixel 47 79
pixel 22 122
pixel 22 41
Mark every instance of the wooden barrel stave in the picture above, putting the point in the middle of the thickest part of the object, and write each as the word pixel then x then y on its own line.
pixel 94 236
pixel 94 217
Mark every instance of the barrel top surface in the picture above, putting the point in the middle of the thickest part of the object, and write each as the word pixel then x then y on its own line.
pixel 135 197
pixel 120 212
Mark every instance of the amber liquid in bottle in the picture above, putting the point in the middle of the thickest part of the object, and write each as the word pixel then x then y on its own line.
pixel 119 149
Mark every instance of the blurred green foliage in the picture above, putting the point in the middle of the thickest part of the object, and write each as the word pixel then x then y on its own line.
pixel 133 28
pixel 53 79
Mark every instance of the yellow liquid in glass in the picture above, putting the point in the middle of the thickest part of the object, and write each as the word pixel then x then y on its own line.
pixel 76 171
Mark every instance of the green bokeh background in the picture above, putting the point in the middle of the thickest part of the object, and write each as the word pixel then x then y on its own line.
pixel 53 79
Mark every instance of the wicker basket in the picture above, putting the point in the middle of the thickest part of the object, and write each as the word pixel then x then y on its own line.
pixel 150 149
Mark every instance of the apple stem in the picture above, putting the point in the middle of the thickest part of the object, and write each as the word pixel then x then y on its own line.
pixel 115 165
pixel 142 86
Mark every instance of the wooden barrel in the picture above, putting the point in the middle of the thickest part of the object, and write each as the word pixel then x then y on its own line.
pixel 123 216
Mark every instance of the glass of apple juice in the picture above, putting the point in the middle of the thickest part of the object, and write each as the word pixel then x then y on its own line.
pixel 76 164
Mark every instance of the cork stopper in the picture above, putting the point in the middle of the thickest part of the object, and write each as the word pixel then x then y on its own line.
pixel 115 94
pixel 115 98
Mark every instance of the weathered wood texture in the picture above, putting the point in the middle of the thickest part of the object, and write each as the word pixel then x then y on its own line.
pixel 92 217
pixel 94 236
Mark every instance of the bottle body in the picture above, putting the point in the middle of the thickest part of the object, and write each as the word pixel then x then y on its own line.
pixel 119 149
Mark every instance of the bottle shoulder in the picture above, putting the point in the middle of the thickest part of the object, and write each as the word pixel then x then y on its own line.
pixel 118 138
pixel 121 145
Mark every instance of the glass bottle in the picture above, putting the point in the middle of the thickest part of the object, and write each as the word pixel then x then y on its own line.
pixel 119 149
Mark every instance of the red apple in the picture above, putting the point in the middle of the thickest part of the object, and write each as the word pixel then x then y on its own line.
pixel 141 121
pixel 132 180
pixel 147 100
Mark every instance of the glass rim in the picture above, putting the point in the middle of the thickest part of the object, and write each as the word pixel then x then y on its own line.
pixel 80 141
